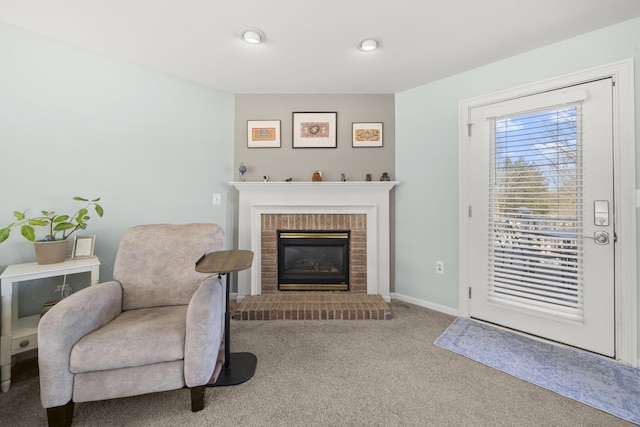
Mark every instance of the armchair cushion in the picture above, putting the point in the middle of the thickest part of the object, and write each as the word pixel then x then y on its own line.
pixel 134 338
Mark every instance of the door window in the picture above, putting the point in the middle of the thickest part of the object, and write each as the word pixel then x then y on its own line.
pixel 534 219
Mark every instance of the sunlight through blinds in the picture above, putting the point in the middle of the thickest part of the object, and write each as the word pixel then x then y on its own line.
pixel 535 215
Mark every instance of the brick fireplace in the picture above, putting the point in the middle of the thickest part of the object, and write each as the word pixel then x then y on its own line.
pixel 356 224
pixel 360 207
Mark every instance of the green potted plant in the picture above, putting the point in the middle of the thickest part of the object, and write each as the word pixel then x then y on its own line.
pixel 53 247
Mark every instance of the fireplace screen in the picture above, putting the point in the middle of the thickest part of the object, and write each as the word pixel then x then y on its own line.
pixel 313 260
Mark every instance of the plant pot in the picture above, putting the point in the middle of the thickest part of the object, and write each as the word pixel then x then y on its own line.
pixel 51 252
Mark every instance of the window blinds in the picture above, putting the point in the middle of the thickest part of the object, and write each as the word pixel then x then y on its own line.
pixel 535 215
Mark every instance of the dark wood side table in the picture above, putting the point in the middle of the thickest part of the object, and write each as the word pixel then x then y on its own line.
pixel 238 367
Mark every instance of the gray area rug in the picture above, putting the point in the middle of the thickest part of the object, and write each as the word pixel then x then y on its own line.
pixel 334 373
pixel 588 378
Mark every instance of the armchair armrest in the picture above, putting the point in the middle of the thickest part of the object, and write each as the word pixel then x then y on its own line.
pixel 205 324
pixel 62 326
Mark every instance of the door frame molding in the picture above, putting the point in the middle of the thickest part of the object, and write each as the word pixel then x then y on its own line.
pixel 625 268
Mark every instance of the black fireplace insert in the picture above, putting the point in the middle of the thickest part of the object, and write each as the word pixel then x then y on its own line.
pixel 313 260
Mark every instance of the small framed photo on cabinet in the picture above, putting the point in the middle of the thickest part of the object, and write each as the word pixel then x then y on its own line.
pixel 83 247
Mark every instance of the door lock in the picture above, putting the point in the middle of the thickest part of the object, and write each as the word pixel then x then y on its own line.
pixel 601 237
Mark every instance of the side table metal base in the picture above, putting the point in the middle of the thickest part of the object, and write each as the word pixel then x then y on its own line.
pixel 240 369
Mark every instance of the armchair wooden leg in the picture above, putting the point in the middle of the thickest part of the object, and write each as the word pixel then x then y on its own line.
pixel 60 416
pixel 197 398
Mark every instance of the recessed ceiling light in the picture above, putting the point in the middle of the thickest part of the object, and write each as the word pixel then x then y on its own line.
pixel 252 35
pixel 367 45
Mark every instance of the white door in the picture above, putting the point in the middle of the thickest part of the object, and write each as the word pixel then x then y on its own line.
pixel 541 215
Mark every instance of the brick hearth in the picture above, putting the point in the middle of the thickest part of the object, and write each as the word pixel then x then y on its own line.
pixel 312 306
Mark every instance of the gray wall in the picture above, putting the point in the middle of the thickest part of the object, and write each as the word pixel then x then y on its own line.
pixel 299 163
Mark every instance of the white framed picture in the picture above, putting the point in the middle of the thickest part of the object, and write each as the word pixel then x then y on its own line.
pixel 263 133
pixel 367 135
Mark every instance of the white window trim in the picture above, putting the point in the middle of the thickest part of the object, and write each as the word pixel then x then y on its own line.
pixel 626 285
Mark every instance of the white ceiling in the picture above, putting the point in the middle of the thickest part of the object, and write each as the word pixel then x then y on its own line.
pixel 311 45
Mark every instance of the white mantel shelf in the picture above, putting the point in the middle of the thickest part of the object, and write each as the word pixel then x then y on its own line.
pixel 306 197
pixel 321 185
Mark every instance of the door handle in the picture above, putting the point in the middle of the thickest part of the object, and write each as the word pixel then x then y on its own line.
pixel 601 213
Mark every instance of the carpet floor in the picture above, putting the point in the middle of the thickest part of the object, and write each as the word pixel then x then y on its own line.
pixel 588 378
pixel 333 373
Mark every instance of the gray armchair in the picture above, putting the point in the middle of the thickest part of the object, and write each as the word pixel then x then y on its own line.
pixel 157 326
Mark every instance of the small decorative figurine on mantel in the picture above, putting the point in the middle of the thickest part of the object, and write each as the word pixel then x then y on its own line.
pixel 385 177
pixel 317 176
pixel 242 169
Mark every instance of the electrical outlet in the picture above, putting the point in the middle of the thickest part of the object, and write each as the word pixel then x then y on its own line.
pixel 216 198
pixel 439 267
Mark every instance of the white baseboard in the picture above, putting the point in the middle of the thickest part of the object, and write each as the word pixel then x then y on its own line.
pixel 425 304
